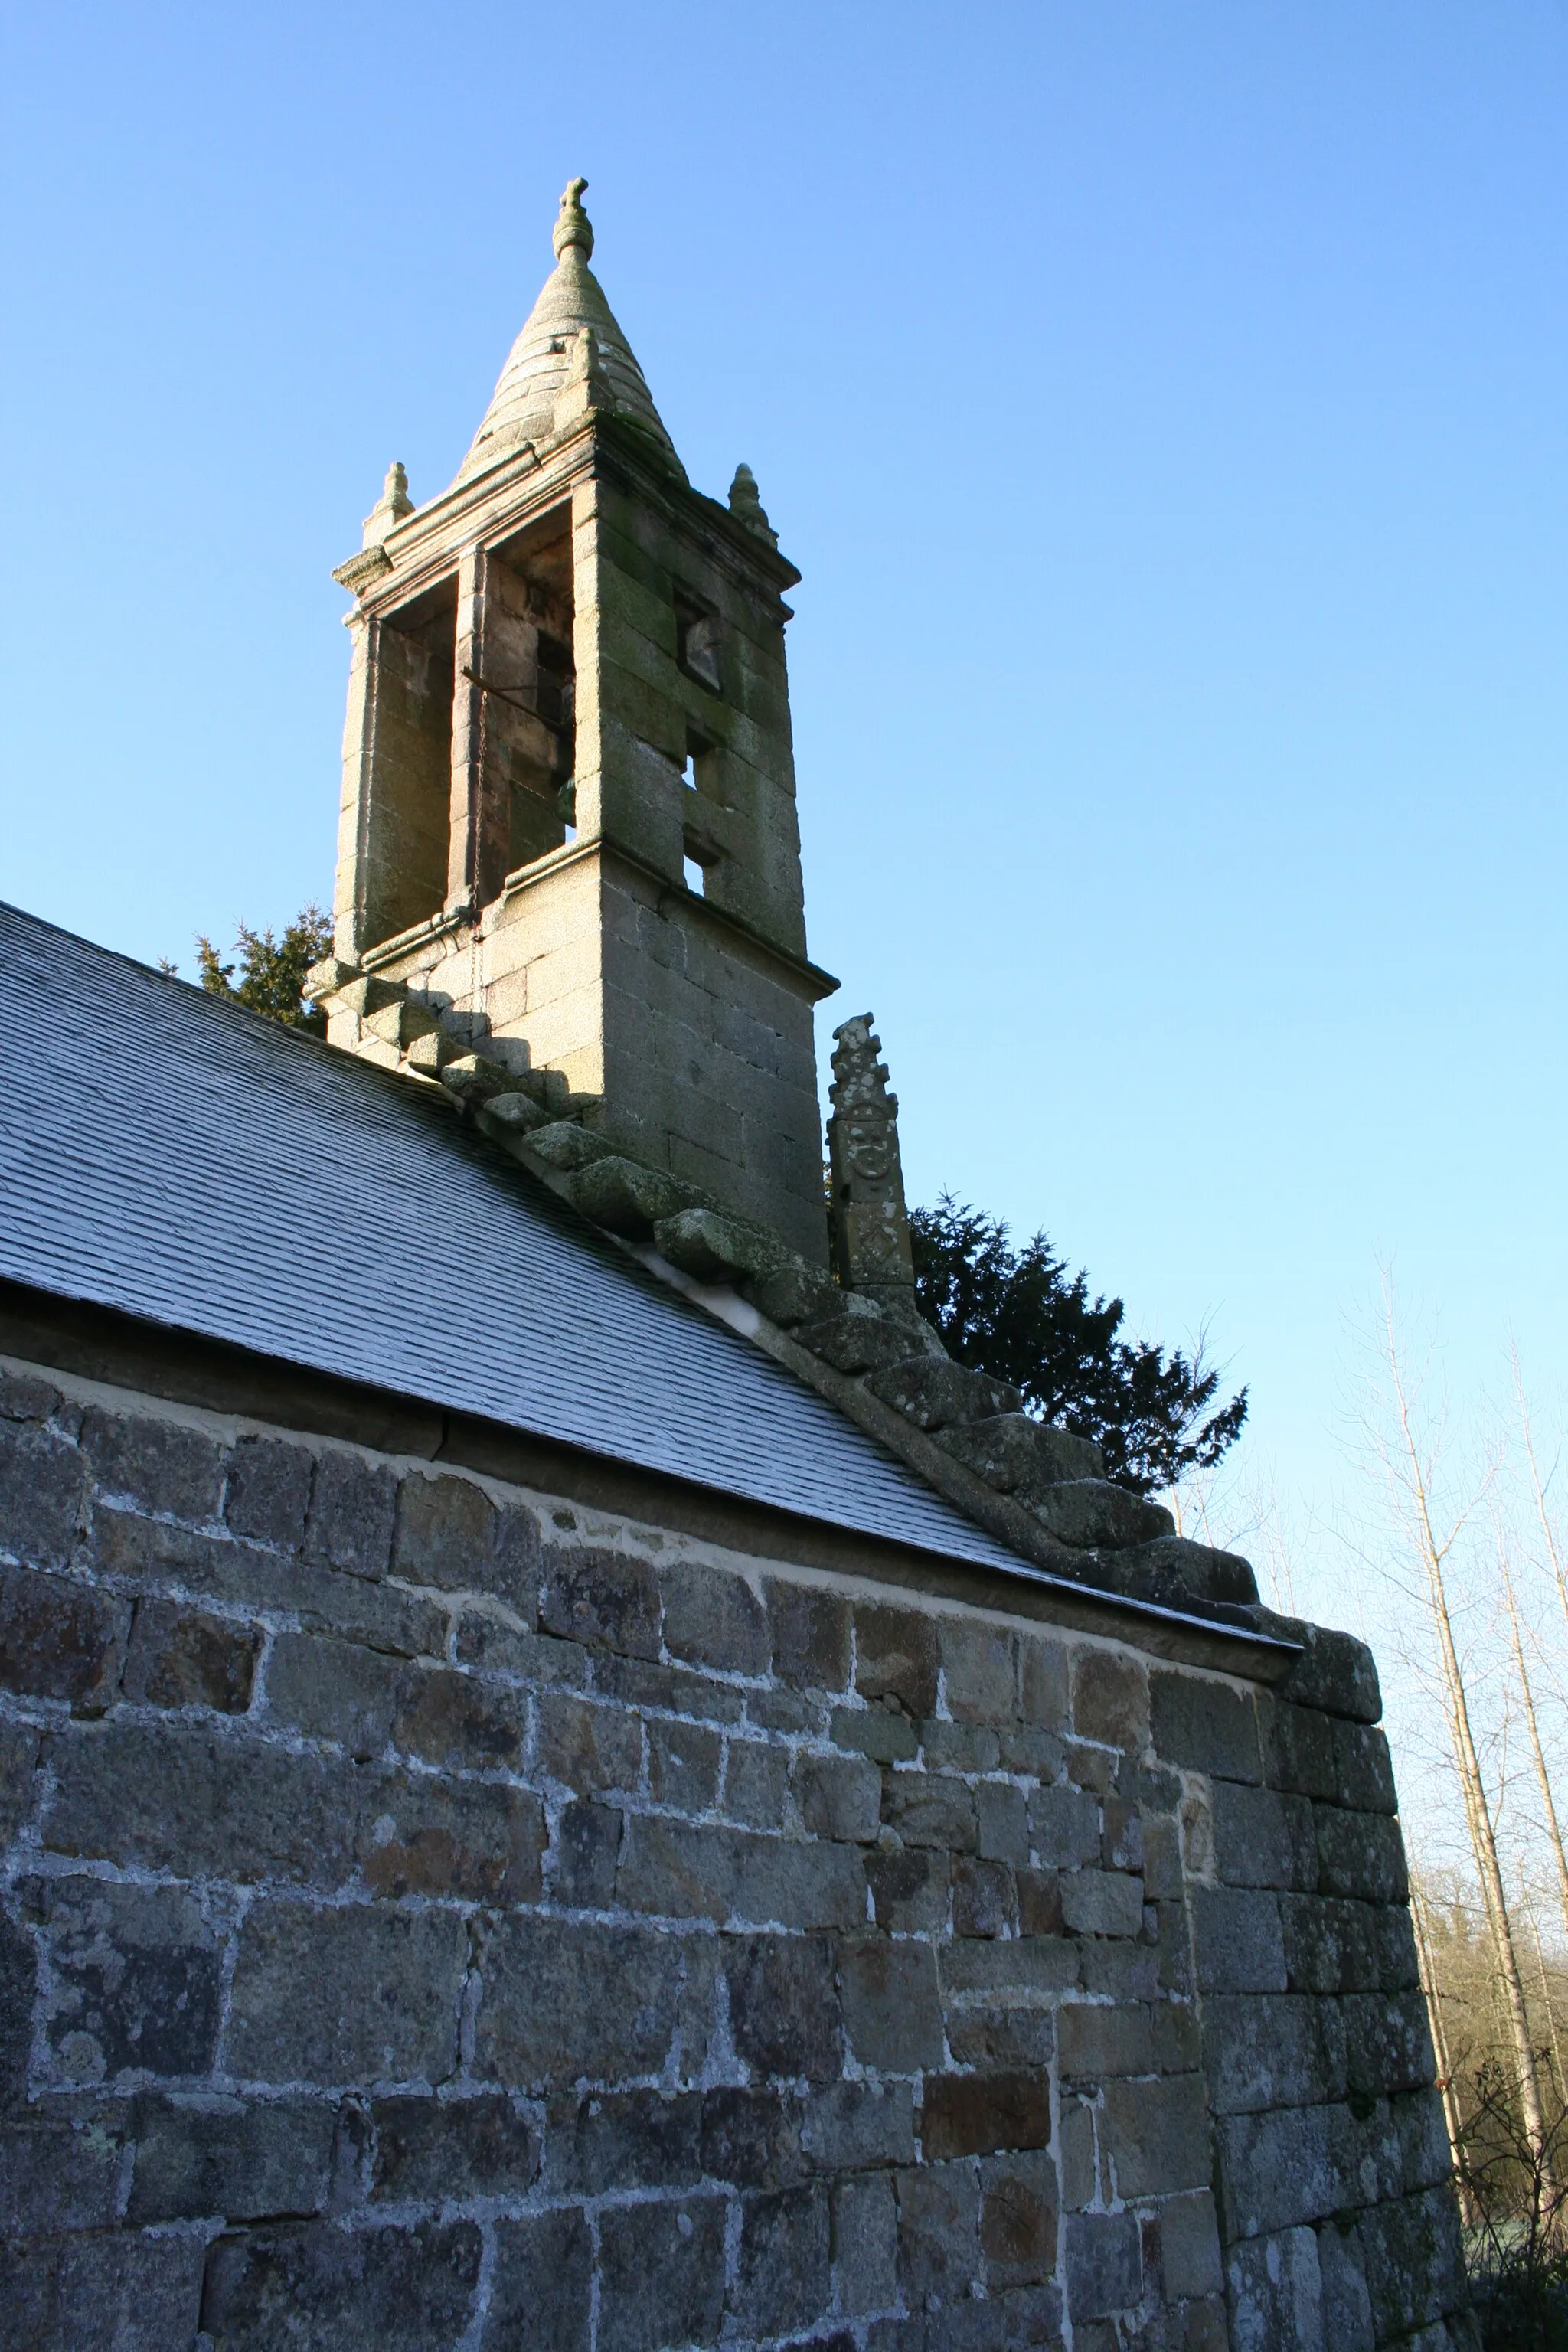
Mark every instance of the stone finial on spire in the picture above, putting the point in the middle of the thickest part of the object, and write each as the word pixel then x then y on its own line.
pixel 870 1224
pixel 746 506
pixel 389 509
pixel 573 226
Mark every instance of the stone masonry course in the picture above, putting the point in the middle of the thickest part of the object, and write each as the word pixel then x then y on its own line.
pixel 438 1914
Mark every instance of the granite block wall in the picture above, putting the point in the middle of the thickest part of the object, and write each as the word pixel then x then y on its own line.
pixel 437 1915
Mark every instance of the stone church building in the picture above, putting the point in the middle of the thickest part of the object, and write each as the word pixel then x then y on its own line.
pixel 568 1782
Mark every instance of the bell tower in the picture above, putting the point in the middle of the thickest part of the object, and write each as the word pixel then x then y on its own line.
pixel 568 829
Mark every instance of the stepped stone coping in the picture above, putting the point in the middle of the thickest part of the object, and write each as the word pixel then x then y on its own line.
pixel 1039 1490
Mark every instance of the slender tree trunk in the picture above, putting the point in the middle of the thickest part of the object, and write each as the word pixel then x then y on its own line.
pixel 1452 2120
pixel 1478 1808
pixel 1543 1778
pixel 1545 1992
pixel 1554 1550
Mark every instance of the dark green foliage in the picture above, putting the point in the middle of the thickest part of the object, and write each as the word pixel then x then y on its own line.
pixel 1019 1315
pixel 1517 2211
pixel 272 972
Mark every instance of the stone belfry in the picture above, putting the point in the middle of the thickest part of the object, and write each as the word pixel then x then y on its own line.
pixel 568 831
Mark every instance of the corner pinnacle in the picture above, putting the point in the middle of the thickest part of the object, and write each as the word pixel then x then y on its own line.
pixel 573 226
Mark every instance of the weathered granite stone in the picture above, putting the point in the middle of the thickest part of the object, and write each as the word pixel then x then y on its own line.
pixel 756 1779
pixel 475 1078
pixel 384 1987
pixel 938 2231
pixel 933 1393
pixel 867 1934
pixel 1175 1572
pixel 838 1796
pixel 752 2137
pixel 1111 1698
pixel 1261 1839
pixel 684 1761
pixel 334 1690
pixel 352 1506
pixel 782 2280
pixel 512 1117
pixel 855 1337
pixel 428 2149
pixel 785 2004
pixel 625 1197
pixel 184 1657
pixel 182 1797
pixel 596 1596
pixel 1334 1672
pixel 201 2155
pixel 267 1491
pixel 134 1980
pixel 472 1841
pixel 541 2293
pixel 1206 1728
pixel 713 1619
pixel 356 2289
pixel 810 1632
pixel 713 1247
pixel 162 1466
pixel 1103 2264
pixel 1263 2050
pixel 126 2287
pixel 568 1148
pixel 563 2000
pixel 463 1721
pixel 893 2010
pixel 790 1295
pixel 1360 1855
pixel 60 1640
pixel 897 1656
pixel 869 1222
pixel 865 2239
pixel 43 1490
pixel 1088 1511
pixel 1020 1455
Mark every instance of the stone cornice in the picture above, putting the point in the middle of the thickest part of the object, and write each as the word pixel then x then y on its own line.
pixel 493 504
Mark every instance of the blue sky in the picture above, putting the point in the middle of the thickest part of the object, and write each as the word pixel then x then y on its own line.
pixel 1164 405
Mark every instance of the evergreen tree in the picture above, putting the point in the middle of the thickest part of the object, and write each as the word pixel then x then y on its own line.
pixel 271 971
pixel 1020 1314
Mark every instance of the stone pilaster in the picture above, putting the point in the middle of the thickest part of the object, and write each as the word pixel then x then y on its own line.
pixel 354 812
pixel 477 851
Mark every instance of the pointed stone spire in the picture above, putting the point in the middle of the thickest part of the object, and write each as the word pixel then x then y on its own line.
pixel 746 506
pixel 549 357
pixel 869 1221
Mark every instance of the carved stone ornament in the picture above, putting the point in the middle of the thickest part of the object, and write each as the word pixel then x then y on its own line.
pixel 870 1223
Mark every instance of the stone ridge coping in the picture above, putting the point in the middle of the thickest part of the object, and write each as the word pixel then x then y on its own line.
pixel 995 1510
pixel 108 1350
pixel 526 1116
pixel 1002 1517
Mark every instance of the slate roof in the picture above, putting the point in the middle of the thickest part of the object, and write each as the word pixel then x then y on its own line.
pixel 169 1154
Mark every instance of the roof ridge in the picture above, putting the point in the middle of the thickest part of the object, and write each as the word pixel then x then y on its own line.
pixel 1037 1488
